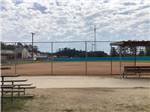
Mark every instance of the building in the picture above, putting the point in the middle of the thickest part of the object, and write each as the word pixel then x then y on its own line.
pixel 23 53
pixel 7 55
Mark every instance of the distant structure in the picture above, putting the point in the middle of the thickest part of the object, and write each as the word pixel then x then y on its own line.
pixel 22 53
pixel 131 48
pixel 7 54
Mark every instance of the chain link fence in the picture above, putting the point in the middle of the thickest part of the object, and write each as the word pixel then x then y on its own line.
pixel 63 58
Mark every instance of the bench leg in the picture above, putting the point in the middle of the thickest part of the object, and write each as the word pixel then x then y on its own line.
pixel 18 91
pixel 139 75
pixel 24 91
pixel 2 101
pixel 12 95
pixel 124 75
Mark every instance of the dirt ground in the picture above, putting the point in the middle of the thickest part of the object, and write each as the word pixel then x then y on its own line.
pixel 85 81
pixel 68 68
pixel 87 100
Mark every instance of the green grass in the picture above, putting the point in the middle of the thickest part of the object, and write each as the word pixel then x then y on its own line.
pixel 13 106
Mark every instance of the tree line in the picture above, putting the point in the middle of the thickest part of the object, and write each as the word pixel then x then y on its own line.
pixel 68 52
pixel 12 47
pixel 72 52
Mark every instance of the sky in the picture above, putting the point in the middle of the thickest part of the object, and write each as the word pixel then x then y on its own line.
pixel 65 20
pixel 74 20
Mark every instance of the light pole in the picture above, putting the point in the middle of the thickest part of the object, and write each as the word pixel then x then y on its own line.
pixel 94 38
pixel 32 44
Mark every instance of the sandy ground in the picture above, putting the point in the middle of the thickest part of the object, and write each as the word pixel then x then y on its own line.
pixel 81 93
pixel 87 100
pixel 69 68
pixel 84 94
pixel 85 82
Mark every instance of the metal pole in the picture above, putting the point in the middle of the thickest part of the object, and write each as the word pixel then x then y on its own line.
pixel 51 58
pixel 120 53
pixel 32 44
pixel 94 38
pixel 2 95
pixel 135 49
pixel 85 58
pixel 111 59
pixel 15 60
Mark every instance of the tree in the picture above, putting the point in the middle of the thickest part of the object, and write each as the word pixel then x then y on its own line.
pixel 114 52
pixel 7 47
pixel 147 49
pixel 68 52
pixel 141 53
pixel 3 46
pixel 19 44
pixel 35 49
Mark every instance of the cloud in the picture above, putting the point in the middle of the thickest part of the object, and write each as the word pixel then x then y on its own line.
pixel 17 1
pixel 39 7
pixel 59 20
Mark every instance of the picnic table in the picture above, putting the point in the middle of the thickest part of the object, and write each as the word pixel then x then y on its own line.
pixel 131 70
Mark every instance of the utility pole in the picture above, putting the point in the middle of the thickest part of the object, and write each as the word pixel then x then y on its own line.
pixel 94 38
pixel 32 44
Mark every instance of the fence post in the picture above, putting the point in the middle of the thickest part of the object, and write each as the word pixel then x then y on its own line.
pixel 120 53
pixel 15 59
pixel 111 59
pixel 85 58
pixel 51 58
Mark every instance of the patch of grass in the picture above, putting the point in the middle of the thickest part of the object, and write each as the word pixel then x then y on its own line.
pixel 68 110
pixel 13 106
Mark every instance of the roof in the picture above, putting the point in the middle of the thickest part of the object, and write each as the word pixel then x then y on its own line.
pixel 131 43
pixel 20 49
pixel 7 52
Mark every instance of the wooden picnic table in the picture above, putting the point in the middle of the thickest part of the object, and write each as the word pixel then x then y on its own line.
pixel 135 70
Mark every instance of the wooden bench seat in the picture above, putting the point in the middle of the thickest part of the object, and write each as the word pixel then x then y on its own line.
pixel 18 90
pixel 21 80
pixel 133 70
pixel 9 75
pixel 5 68
pixel 22 96
pixel 16 87
pixel 13 90
pixel 25 87
pixel 7 86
